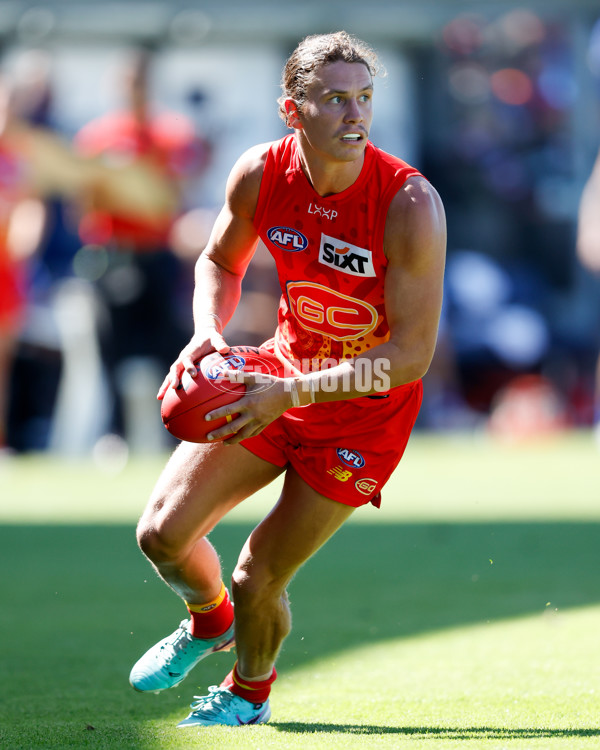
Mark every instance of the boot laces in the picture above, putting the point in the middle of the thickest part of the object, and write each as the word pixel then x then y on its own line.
pixel 210 705
pixel 180 640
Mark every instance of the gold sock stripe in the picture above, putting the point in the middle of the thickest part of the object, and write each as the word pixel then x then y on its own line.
pixel 208 606
pixel 248 683
pixel 244 685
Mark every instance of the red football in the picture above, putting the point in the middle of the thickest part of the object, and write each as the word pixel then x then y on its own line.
pixel 183 408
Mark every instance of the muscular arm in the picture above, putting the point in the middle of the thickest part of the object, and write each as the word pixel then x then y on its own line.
pixel 415 243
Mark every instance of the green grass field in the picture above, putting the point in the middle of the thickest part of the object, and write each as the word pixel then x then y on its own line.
pixel 464 614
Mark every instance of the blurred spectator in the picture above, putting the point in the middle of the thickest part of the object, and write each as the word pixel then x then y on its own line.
pixel 492 339
pixel 39 171
pixel 142 282
pixel 33 75
pixel 588 250
pixel 21 226
pixel 504 165
pixel 38 360
pixel 588 234
pixel 528 407
pixel 588 226
pixel 496 331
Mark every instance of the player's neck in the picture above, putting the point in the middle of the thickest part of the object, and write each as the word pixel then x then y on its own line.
pixel 327 176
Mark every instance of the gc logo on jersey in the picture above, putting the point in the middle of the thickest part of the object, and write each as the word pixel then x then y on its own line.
pixel 330 313
pixel 287 239
pixel 344 257
pixel 351 458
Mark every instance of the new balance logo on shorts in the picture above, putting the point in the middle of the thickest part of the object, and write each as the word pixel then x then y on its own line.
pixel 343 475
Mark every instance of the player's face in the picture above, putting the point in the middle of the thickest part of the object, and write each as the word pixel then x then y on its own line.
pixel 336 116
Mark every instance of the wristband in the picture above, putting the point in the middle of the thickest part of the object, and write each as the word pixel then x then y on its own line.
pixel 294 392
pixel 217 319
pixel 296 395
pixel 311 388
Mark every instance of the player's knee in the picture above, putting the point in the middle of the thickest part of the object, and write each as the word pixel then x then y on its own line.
pixel 255 586
pixel 147 539
pixel 155 541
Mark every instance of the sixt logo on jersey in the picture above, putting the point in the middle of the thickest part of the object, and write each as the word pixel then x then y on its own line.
pixel 351 458
pixel 344 257
pixel 218 370
pixel 287 239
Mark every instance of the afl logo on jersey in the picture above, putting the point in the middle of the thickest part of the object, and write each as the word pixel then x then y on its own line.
pixel 287 239
pixel 351 458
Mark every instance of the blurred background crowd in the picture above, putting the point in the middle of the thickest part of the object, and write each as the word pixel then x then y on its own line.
pixel 119 123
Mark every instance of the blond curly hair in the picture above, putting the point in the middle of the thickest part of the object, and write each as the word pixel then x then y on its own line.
pixel 314 52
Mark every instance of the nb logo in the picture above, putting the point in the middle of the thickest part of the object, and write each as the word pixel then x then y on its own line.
pixel 343 475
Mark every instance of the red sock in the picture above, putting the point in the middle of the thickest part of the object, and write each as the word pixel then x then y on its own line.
pixel 212 618
pixel 255 691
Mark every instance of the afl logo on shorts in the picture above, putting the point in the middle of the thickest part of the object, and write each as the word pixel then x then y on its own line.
pixel 366 486
pixel 287 239
pixel 351 458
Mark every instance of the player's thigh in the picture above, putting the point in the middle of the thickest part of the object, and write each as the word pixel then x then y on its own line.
pixel 301 522
pixel 200 484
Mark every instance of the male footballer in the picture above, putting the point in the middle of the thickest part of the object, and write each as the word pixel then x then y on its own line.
pixel 358 237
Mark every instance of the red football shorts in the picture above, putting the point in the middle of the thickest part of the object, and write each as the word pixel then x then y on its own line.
pixel 346 450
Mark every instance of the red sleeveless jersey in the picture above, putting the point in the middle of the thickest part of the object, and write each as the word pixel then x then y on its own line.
pixel 329 253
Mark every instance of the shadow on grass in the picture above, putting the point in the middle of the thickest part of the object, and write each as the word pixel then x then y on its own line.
pixel 371 583
pixel 442 733
pixel 80 604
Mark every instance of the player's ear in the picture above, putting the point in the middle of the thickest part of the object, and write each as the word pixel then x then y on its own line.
pixel 292 116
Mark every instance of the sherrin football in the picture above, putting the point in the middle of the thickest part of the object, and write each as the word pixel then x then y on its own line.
pixel 183 408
